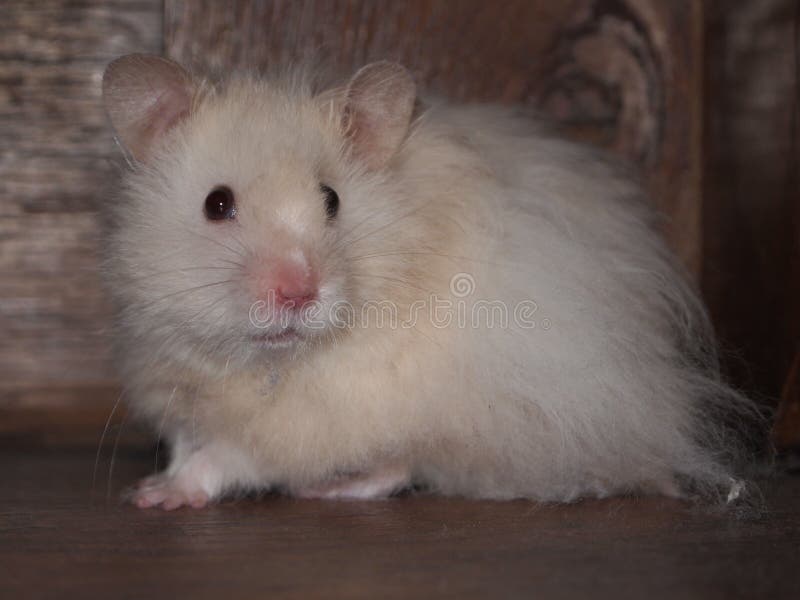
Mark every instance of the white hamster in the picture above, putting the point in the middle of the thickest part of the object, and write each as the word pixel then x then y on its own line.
pixel 345 292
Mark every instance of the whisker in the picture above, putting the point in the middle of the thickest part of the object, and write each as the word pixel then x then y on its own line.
pixel 113 456
pixel 186 291
pixel 210 239
pixel 225 375
pixel 181 326
pixel 345 242
pixel 239 242
pixel 422 253
pixel 179 270
pixel 232 262
pixel 194 420
pixel 161 428
pixel 103 437
pixel 393 279
pixel 354 228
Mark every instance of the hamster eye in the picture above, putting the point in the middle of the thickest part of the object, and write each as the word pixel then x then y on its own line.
pixel 331 200
pixel 220 204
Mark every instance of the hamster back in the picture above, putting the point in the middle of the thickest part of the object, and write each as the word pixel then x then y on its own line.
pixel 343 291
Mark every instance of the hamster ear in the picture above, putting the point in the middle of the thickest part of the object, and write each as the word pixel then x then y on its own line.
pixel 145 96
pixel 378 105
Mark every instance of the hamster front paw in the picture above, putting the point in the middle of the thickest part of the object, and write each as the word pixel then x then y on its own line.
pixel 169 493
pixel 196 477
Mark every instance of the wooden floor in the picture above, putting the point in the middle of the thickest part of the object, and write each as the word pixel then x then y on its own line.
pixel 60 538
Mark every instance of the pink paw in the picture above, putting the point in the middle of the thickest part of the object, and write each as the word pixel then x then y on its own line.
pixel 168 493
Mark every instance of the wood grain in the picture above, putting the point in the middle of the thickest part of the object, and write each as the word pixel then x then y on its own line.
pixel 54 168
pixel 751 189
pixel 85 416
pixel 62 537
pixel 623 73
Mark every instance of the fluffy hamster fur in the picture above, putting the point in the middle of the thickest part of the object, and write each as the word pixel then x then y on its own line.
pixel 614 388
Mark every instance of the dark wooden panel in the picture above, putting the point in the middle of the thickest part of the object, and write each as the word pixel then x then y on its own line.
pixel 751 192
pixel 54 166
pixel 623 73
pixel 85 416
pixel 60 540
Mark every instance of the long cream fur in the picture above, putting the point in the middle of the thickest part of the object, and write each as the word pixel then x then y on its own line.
pixel 614 389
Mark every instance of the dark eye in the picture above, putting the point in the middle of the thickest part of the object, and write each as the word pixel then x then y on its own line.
pixel 331 200
pixel 220 204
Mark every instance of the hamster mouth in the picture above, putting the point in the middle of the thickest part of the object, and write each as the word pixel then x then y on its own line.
pixel 280 339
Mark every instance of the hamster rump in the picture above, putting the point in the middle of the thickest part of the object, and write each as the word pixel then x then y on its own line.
pixel 339 294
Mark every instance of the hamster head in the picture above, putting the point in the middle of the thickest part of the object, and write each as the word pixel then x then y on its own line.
pixel 235 235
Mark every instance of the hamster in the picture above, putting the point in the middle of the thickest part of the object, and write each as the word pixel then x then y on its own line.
pixel 345 292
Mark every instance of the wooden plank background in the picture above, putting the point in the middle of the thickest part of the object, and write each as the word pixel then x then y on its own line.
pixel 56 377
pixel 751 197
pixel 751 192
pixel 625 74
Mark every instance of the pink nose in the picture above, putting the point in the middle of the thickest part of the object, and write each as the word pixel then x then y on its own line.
pixel 288 285
pixel 293 295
